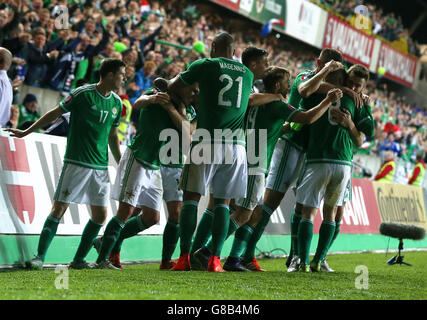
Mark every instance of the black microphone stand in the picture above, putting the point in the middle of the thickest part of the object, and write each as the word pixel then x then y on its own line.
pixel 398 259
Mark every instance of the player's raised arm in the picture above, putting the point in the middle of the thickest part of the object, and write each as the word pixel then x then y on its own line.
pixel 326 86
pixel 145 100
pixel 310 86
pixel 310 116
pixel 47 119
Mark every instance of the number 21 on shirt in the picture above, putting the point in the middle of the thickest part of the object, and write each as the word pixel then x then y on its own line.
pixel 224 99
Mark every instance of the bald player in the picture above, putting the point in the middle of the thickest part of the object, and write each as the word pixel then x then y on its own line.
pixel 6 92
pixel 225 86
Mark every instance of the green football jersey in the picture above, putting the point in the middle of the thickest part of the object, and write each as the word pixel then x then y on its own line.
pixel 225 86
pixel 364 121
pixel 298 137
pixel 329 142
pixel 25 116
pixel 191 117
pixel 146 143
pixel 91 117
pixel 269 117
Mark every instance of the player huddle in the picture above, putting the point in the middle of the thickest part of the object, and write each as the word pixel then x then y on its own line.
pixel 308 145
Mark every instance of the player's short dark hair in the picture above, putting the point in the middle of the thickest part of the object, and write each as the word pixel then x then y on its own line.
pixel 223 40
pixel 110 65
pixel 273 75
pixel 337 77
pixel 359 71
pixel 329 54
pixel 251 54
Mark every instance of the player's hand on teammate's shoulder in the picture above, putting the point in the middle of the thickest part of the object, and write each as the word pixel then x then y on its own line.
pixel 334 95
pixel 16 132
pixel 366 99
pixel 357 97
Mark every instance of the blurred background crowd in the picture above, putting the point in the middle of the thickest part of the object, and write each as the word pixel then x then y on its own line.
pixel 386 25
pixel 161 38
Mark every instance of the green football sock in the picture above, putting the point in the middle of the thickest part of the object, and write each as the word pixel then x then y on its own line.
pixel 220 225
pixel 256 235
pixel 203 231
pixel 232 226
pixel 305 234
pixel 241 238
pixel 46 236
pixel 89 234
pixel 326 232
pixel 132 227
pixel 111 234
pixel 295 219
pixel 337 231
pixel 170 239
pixel 187 221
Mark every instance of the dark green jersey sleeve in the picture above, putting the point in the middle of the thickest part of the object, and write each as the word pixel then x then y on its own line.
pixel 283 110
pixel 364 120
pixel 194 73
pixel 70 102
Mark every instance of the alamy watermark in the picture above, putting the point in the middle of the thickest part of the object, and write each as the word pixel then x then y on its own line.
pixel 362 17
pixel 362 281
pixel 62 17
pixel 61 281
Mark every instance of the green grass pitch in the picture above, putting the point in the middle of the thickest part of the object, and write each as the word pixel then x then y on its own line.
pixel 146 281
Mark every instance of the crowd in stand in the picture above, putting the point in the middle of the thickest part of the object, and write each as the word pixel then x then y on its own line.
pixel 387 25
pixel 48 56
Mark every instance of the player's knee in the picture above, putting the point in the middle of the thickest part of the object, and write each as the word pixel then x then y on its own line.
pixel 58 209
pixel 174 216
pixel 272 198
pixel 241 216
pixel 136 212
pixel 150 217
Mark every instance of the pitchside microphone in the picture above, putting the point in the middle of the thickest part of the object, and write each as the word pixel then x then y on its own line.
pixel 401 231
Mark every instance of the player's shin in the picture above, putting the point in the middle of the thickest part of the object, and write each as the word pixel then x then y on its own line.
pixel 170 239
pixel 203 231
pixel 258 231
pixel 89 234
pixel 232 227
pixel 295 219
pixel 111 234
pixel 49 230
pixel 326 232
pixel 243 234
pixel 188 222
pixel 220 226
pixel 305 234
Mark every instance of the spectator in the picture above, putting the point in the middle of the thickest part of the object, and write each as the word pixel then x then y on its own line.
pixel 28 112
pixel 417 176
pixel 14 117
pixel 387 170
pixel 390 145
pixel 6 92
pixel 40 55
pixel 143 80
pixel 7 24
